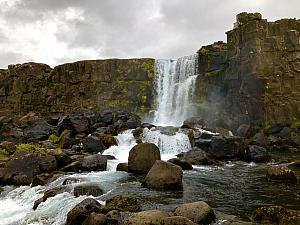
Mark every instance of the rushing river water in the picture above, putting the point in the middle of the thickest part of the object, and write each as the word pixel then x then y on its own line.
pixel 236 188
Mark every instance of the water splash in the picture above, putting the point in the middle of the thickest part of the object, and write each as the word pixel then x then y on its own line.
pixel 168 144
pixel 175 84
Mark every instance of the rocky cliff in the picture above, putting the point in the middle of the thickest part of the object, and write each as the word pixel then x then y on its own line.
pixel 255 77
pixel 112 83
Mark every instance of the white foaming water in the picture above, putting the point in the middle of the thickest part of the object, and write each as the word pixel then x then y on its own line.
pixel 175 84
pixel 125 142
pixel 169 145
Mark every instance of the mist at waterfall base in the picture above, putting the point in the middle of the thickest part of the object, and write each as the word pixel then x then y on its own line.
pixel 233 189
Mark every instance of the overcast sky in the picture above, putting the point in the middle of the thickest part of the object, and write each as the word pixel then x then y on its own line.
pixel 59 31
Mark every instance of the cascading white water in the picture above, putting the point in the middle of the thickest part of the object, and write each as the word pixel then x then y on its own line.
pixel 175 84
pixel 169 145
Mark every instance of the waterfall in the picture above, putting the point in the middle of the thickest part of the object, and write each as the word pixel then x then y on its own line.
pixel 175 84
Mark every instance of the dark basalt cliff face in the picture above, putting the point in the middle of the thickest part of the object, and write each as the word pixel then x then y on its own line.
pixel 255 77
pixel 113 83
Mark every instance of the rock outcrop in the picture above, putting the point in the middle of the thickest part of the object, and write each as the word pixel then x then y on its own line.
pixel 112 83
pixel 254 78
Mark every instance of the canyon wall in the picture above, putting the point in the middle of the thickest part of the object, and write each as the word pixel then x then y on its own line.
pixel 113 83
pixel 255 77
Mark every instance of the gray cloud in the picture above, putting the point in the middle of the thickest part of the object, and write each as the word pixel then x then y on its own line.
pixel 76 29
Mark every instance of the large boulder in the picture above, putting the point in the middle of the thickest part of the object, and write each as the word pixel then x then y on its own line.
pixel 123 203
pixel 82 210
pixel 164 175
pixel 88 189
pixel 256 153
pixel 260 139
pixel 224 147
pixel 39 130
pixel 198 212
pixel 96 219
pixel 245 130
pixel 281 173
pixel 92 144
pixel 94 162
pixel 149 217
pixel 142 157
pixel 21 170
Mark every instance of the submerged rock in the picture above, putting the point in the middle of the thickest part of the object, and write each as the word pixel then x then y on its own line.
pixel 198 212
pixel 142 157
pixel 146 218
pixel 82 210
pixel 88 189
pixel 123 203
pixel 281 173
pixel 276 215
pixel 164 175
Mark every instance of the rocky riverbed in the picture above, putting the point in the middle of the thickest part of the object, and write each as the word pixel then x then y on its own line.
pixel 62 170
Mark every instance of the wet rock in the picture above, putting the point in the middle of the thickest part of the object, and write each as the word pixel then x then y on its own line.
pixel 108 140
pixel 256 153
pixel 72 180
pixel 88 189
pixel 146 218
pixel 20 171
pixel 107 116
pixel 281 173
pixel 39 130
pixel 164 175
pixel 276 215
pixel 92 144
pixel 285 133
pixel 122 167
pixel 48 194
pixel 133 123
pixel 183 163
pixel 115 217
pixel 41 179
pixel 197 156
pixel 137 132
pixel 123 203
pixel 176 220
pixel 147 125
pixel 96 219
pixel 198 212
pixel 47 163
pixel 245 130
pixel 223 147
pixel 260 139
pixel 94 162
pixel 62 157
pixel 142 157
pixel 82 210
